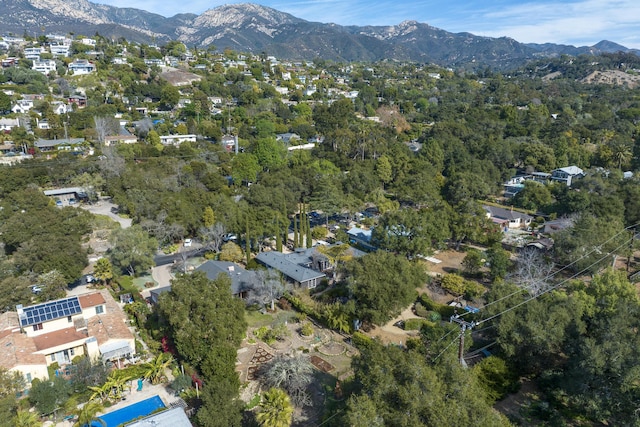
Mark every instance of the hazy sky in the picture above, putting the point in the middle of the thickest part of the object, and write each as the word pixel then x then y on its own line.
pixel 577 22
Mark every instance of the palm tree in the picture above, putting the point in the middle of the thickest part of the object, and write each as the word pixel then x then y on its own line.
pixel 87 414
pixel 26 419
pixel 276 409
pixel 155 370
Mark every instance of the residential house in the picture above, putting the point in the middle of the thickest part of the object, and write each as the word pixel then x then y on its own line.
pixel 242 281
pixel 22 106
pixel 57 144
pixel 67 196
pixel 154 294
pixel 176 140
pixel 54 332
pixel 9 62
pixel 60 107
pixel 507 218
pixel 567 175
pixel 33 53
pixel 230 143
pixel 82 66
pixel 359 235
pixel 79 100
pixel 120 139
pixel 7 124
pixel 59 50
pixel 288 138
pixel 297 268
pixel 557 225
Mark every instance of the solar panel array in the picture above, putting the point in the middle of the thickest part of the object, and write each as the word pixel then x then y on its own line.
pixel 50 311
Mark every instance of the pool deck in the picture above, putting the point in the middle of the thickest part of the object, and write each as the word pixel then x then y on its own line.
pixel 135 396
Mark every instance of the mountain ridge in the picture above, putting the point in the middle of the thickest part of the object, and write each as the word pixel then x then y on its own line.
pixel 254 28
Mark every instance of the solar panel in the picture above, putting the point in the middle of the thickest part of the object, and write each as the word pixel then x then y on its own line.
pixel 50 311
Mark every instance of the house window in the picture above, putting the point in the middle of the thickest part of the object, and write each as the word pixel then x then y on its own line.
pixel 53 357
pixel 99 309
pixel 28 376
pixel 37 327
pixel 69 319
pixel 72 352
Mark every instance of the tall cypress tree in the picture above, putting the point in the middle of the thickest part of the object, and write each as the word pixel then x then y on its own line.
pixel 295 230
pixel 278 235
pixel 309 239
pixel 247 245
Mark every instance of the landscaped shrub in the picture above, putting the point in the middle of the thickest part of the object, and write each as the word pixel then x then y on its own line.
pixel 434 316
pixel 307 329
pixel 421 310
pixel 445 311
pixel 416 324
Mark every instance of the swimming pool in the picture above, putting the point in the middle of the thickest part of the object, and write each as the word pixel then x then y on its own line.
pixel 131 412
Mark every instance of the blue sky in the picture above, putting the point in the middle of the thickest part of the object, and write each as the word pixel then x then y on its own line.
pixel 576 22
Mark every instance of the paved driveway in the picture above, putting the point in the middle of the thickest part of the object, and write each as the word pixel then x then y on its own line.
pixel 104 207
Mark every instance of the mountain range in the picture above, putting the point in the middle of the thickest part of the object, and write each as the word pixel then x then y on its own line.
pixel 253 28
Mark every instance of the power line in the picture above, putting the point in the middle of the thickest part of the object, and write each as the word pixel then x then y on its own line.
pixel 550 276
pixel 556 286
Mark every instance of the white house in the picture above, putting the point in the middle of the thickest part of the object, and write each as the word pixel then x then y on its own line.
pixel 7 124
pixel 22 106
pixel 176 140
pixel 45 67
pixel 567 175
pixel 82 66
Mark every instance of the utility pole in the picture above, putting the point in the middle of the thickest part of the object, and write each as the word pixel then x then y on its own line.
pixel 464 325
pixel 630 255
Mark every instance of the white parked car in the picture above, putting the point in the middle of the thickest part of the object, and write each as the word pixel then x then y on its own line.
pixel 188 242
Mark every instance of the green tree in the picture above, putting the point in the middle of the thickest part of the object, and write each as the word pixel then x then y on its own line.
pixel 473 261
pixel 384 170
pixel 103 270
pixel 231 252
pixel 275 409
pixel 87 415
pixel 154 370
pixel 383 284
pixel 132 250
pixel 26 419
pixel 208 217
pixel 533 196
pixel 206 324
pixel 245 168
pixel 499 261
pixel 411 232
pixel 46 396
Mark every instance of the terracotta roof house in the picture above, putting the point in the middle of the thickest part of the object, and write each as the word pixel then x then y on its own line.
pixel 36 336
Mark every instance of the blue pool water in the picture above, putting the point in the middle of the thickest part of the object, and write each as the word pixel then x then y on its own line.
pixel 131 412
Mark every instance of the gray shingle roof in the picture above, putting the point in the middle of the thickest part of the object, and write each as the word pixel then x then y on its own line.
pixel 241 279
pixel 280 262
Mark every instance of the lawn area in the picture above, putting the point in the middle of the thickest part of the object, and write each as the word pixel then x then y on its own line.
pixel 255 319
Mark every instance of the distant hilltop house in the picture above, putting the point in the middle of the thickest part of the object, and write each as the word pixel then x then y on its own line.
pixel 58 144
pixel 567 175
pixel 507 218
pixel 176 140
pixel 35 337
pixel 45 66
pixel 82 66
pixel 67 196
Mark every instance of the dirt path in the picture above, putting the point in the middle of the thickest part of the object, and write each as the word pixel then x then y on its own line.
pixel 390 334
